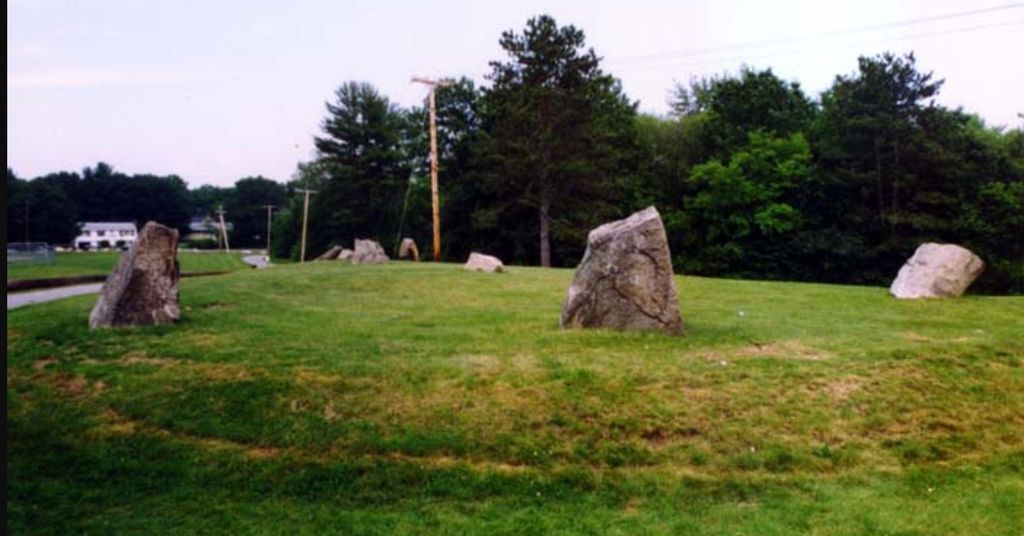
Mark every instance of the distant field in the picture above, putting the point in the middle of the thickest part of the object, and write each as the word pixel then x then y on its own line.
pixel 423 399
pixel 89 263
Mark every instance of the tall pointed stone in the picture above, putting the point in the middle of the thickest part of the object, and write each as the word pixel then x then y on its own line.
pixel 625 279
pixel 408 250
pixel 143 288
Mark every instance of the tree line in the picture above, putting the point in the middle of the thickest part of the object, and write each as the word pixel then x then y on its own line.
pixel 753 177
pixel 50 208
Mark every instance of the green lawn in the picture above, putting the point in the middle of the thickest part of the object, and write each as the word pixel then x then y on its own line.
pixel 92 263
pixel 419 398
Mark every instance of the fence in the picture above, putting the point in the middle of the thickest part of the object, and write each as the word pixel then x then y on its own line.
pixel 29 253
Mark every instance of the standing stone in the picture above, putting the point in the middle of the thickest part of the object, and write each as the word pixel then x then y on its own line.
pixel 625 279
pixel 478 262
pixel 368 252
pixel 345 255
pixel 143 288
pixel 330 254
pixel 408 250
pixel 937 271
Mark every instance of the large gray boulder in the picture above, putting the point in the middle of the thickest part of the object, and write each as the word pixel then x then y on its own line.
pixel 478 262
pixel 625 279
pixel 937 271
pixel 143 288
pixel 368 252
pixel 408 250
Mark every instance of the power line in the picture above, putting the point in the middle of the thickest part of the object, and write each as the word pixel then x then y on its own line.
pixel 669 63
pixel 711 50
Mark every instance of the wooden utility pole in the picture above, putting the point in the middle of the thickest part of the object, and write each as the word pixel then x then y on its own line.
pixel 305 218
pixel 223 229
pixel 434 198
pixel 269 208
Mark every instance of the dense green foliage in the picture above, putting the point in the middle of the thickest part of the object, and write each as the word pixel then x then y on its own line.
pixel 753 177
pixel 58 202
pixel 425 399
pixel 245 207
pixel 39 211
pixel 755 180
pixel 559 132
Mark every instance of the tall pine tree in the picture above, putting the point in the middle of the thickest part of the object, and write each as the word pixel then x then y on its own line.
pixel 560 132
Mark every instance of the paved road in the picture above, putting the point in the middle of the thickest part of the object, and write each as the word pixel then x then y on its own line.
pixel 21 299
pixel 256 261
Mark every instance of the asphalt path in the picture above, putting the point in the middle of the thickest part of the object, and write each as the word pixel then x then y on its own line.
pixel 21 299
pixel 256 261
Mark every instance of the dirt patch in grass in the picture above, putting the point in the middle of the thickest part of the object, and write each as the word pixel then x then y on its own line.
pixel 445 462
pixel 492 366
pixel 113 423
pixel 840 389
pixel 70 385
pixel 41 364
pixel 264 453
pixel 917 337
pixel 780 350
pixel 135 358
pixel 204 340
pixel 143 360
pixel 329 413
pixel 221 371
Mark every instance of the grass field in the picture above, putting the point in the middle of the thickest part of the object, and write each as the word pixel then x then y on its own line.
pixel 426 399
pixel 92 263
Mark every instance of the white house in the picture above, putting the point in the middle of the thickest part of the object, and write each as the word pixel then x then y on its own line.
pixel 105 235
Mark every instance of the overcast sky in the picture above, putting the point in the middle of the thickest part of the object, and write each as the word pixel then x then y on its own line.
pixel 218 90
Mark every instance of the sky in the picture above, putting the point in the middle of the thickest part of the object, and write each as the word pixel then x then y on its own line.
pixel 215 91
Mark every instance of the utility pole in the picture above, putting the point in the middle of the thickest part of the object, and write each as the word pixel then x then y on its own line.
pixel 269 208
pixel 305 218
pixel 435 201
pixel 223 229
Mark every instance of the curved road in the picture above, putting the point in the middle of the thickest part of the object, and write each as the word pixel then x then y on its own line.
pixel 256 261
pixel 21 299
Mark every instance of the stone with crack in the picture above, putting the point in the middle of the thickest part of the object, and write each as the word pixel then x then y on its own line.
pixel 143 288
pixel 625 279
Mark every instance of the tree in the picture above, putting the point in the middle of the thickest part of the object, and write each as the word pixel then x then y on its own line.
pixel 872 139
pixel 669 148
pixel 559 133
pixel 203 201
pixel 744 215
pixel 247 211
pixel 39 211
pixel 361 158
pixel 735 106
pixel 106 195
pixel 16 214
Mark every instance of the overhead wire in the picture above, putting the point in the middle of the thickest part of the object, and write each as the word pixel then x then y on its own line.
pixel 670 63
pixel 627 61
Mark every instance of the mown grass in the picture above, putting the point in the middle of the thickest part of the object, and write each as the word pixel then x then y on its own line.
pixel 426 399
pixel 102 262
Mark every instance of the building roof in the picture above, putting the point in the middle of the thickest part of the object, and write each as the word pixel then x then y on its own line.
pixel 206 225
pixel 108 226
